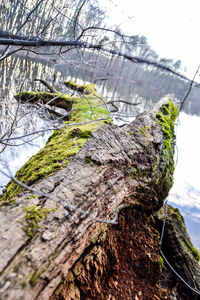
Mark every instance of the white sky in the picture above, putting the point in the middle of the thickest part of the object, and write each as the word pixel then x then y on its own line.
pixel 187 169
pixel 172 27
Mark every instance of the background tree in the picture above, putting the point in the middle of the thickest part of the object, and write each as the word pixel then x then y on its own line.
pixel 76 33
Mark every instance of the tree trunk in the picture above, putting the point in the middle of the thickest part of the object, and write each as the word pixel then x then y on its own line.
pixel 72 256
pixel 56 99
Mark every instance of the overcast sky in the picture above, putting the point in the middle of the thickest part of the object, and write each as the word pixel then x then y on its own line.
pixel 172 27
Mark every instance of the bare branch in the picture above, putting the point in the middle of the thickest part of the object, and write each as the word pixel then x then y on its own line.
pixel 122 101
pixel 79 44
pixel 6 51
pixel 50 129
pixel 190 88
pixel 104 29
pixel 77 16
pixel 45 83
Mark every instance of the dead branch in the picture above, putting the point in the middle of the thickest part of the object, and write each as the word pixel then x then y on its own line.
pixel 45 83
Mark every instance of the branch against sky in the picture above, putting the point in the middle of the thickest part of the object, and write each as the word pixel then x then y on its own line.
pixel 6 51
pixel 80 44
pixel 81 23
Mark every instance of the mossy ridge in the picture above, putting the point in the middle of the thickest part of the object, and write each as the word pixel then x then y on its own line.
pixel 61 146
pixel 166 118
pixel 176 214
pixel 187 244
pixel 89 108
pixel 57 99
pixel 85 89
pixel 32 95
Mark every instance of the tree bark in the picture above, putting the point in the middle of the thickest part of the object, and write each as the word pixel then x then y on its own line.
pixel 55 99
pixel 180 253
pixel 127 167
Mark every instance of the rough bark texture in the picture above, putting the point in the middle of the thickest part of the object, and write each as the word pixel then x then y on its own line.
pixel 74 257
pixel 181 254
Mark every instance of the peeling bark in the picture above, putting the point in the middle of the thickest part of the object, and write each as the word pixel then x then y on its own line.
pixel 130 167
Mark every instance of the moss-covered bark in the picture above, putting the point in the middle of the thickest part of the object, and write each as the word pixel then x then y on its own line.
pixel 60 100
pixel 166 118
pixel 63 144
pixel 85 89
pixel 181 254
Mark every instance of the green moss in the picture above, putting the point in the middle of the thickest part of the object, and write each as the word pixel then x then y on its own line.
pixel 7 203
pixel 35 277
pixel 88 160
pixel 134 172
pixel 34 215
pixel 31 197
pixel 156 164
pixel 24 284
pixel 166 118
pixel 170 233
pixel 89 89
pixel 186 242
pixel 100 236
pixel 33 96
pixel 71 84
pixel 27 280
pixel 17 268
pixel 86 89
pixel 89 108
pixel 57 99
pixel 161 261
pixel 195 253
pixel 157 234
pixel 61 146
pixel 78 133
pixel 176 214
pixel 143 130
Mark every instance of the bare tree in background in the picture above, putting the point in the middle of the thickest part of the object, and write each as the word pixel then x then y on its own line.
pixel 72 31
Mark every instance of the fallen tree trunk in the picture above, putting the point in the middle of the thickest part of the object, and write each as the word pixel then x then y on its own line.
pixel 67 254
pixel 56 99
pixel 64 101
pixel 83 89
